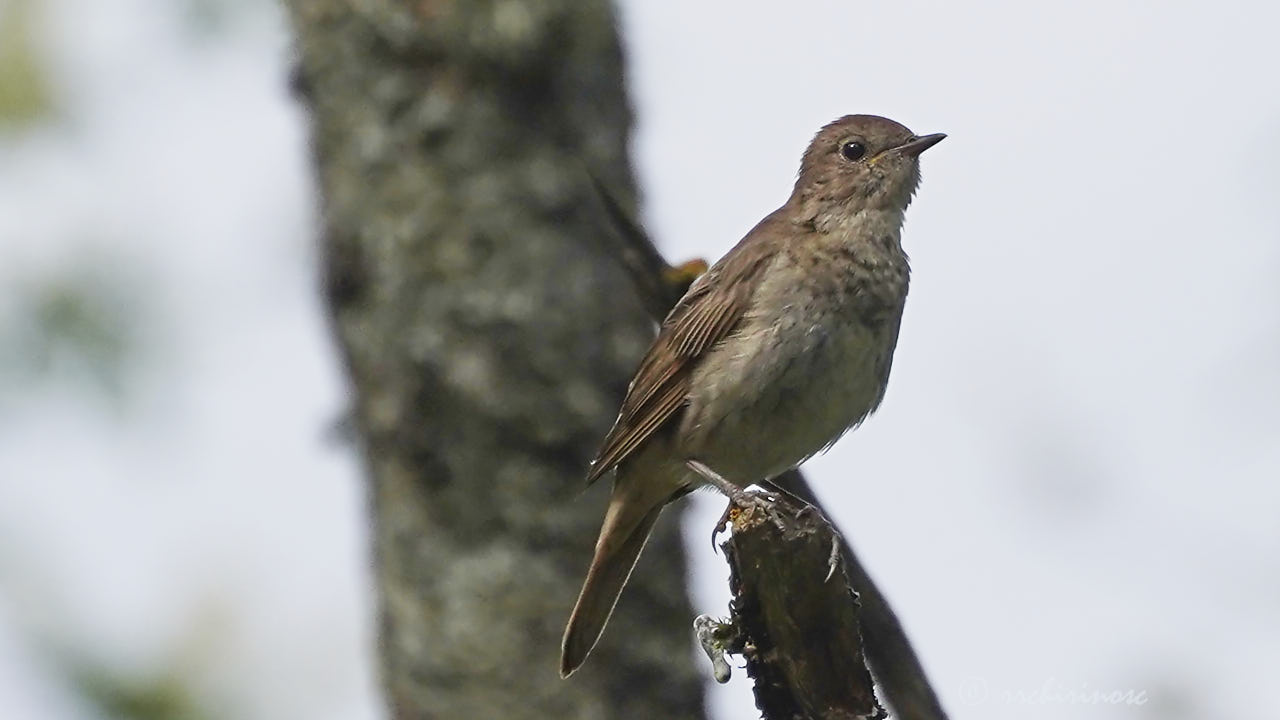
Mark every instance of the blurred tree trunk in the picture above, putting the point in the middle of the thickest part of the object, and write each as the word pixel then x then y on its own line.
pixel 488 337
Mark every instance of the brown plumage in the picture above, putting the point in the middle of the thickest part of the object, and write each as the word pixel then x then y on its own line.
pixel 766 359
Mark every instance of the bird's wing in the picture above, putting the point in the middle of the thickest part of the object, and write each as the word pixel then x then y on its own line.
pixel 706 315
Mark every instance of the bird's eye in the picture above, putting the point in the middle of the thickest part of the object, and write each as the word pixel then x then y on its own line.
pixel 853 150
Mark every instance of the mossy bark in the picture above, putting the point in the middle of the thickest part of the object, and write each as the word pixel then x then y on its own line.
pixel 488 336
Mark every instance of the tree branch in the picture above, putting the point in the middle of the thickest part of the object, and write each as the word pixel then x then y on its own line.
pixel 893 660
pixel 797 617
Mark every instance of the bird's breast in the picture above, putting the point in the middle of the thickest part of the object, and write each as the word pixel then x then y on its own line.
pixel 809 361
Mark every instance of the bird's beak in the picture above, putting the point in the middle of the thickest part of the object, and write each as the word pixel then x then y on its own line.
pixel 917 145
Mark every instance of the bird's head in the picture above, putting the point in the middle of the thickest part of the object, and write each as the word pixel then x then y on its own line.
pixel 857 163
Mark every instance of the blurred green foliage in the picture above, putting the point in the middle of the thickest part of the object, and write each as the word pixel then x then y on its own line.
pixel 207 19
pixel 82 324
pixel 25 96
pixel 113 696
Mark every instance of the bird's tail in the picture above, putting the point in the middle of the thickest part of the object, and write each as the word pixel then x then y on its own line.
pixel 627 525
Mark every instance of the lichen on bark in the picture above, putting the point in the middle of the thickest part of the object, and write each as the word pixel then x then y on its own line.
pixel 488 337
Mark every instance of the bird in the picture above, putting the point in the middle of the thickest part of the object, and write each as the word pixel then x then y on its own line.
pixel 771 355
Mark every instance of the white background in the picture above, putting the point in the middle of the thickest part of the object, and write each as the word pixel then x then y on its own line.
pixel 1073 483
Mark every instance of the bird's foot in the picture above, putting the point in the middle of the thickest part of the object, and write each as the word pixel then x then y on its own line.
pixel 766 503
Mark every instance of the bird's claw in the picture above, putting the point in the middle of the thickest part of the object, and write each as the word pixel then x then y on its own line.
pixel 833 560
pixel 720 525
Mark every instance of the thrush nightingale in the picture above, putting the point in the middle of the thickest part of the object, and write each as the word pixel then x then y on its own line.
pixel 772 354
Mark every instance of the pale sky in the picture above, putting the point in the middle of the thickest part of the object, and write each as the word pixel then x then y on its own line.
pixel 1072 485
pixel 1073 480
